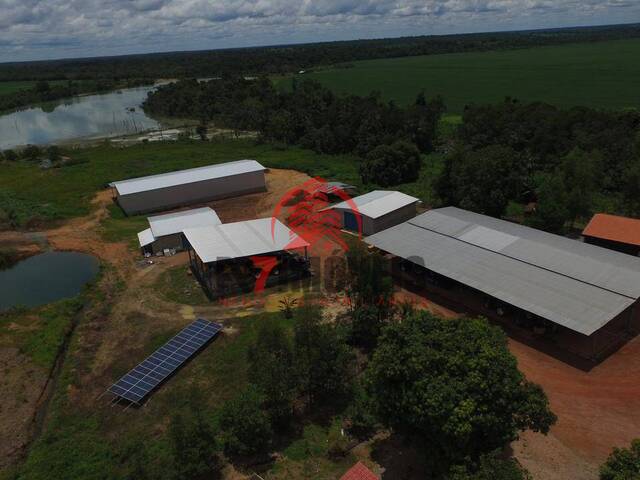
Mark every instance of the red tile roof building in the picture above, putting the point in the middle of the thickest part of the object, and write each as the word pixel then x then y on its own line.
pixel 614 232
pixel 359 472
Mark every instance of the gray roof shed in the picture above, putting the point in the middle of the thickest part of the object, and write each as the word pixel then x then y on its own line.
pixel 573 284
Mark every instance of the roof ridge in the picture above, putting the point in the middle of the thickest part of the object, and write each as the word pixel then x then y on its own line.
pixel 522 261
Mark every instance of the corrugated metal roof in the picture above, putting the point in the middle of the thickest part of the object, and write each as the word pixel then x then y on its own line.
pixel 612 227
pixel 378 203
pixel 146 237
pixel 176 222
pixel 242 239
pixel 182 177
pixel 579 286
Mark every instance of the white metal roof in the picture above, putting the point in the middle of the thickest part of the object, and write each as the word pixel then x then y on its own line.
pixel 577 285
pixel 182 177
pixel 176 222
pixel 377 203
pixel 242 239
pixel 146 237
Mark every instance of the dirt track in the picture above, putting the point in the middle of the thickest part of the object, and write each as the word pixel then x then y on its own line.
pixel 597 410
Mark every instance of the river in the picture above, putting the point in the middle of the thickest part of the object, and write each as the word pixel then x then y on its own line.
pixel 88 116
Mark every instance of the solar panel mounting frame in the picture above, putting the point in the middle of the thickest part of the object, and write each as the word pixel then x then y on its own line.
pixel 145 377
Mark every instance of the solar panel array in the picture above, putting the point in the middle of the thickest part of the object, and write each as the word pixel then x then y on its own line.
pixel 140 381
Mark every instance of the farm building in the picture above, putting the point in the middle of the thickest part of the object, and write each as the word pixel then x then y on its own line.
pixel 228 258
pixel 580 297
pixel 376 211
pixel 165 231
pixel 614 232
pixel 187 187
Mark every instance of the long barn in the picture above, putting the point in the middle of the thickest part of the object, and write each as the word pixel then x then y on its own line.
pixel 580 297
pixel 187 187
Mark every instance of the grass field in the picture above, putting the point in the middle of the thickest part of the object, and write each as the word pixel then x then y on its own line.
pixel 603 75
pixel 7 88
pixel 34 193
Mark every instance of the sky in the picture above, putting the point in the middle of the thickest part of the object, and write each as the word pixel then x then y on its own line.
pixel 49 29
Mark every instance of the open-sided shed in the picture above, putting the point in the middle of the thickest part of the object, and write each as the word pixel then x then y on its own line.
pixel 230 257
pixel 187 187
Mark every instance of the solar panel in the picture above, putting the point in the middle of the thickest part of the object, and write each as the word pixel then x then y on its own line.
pixel 139 382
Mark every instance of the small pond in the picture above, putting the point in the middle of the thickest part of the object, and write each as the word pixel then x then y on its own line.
pixel 45 278
pixel 87 116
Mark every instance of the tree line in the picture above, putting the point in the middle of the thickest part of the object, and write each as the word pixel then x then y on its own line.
pixel 389 138
pixel 43 91
pixel 570 163
pixel 292 58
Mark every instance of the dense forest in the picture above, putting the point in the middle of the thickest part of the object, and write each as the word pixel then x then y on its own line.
pixel 387 137
pixel 292 58
pixel 43 91
pixel 568 162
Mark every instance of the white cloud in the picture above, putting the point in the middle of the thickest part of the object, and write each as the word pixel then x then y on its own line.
pixel 32 29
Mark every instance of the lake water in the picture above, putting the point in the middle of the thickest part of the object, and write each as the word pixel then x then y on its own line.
pixel 91 116
pixel 45 278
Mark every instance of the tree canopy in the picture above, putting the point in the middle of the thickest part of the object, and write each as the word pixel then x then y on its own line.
pixel 623 463
pixel 455 385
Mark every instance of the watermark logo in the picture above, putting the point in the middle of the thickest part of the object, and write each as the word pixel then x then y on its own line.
pixel 306 210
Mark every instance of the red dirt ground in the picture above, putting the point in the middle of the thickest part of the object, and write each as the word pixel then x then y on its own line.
pixel 596 410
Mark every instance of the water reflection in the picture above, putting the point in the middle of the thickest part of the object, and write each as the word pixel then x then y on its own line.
pixel 88 116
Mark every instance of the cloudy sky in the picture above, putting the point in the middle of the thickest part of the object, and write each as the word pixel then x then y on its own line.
pixel 44 29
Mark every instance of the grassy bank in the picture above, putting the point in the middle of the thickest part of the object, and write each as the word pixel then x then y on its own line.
pixel 599 74
pixel 36 195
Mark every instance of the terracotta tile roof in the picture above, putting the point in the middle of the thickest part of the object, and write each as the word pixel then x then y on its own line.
pixel 359 472
pixel 611 227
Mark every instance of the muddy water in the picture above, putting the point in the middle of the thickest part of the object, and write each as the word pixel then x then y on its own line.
pixel 45 278
pixel 90 116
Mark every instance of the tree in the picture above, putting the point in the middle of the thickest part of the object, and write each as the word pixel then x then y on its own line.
pixel 551 212
pixel 370 292
pixel 201 131
pixel 490 467
pixel 31 152
pixel 244 423
pixel 454 385
pixel 481 180
pixel 422 121
pixel 10 156
pixel 321 356
pixel 193 446
pixel 53 153
pixel 271 370
pixel 623 463
pixel 388 165
pixel 579 173
pixel 630 188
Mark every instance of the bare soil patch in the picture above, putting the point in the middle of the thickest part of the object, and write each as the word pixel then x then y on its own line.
pixel 597 410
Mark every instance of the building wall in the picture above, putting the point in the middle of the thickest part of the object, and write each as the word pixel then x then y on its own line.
pixel 391 219
pixel 611 245
pixel 168 241
pixel 179 195
pixel 394 218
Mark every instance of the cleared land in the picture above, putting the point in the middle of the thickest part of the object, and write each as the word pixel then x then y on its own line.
pixel 602 75
pixel 38 196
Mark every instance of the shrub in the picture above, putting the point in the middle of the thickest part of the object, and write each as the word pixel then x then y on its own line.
pixel 245 425
pixel 388 165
